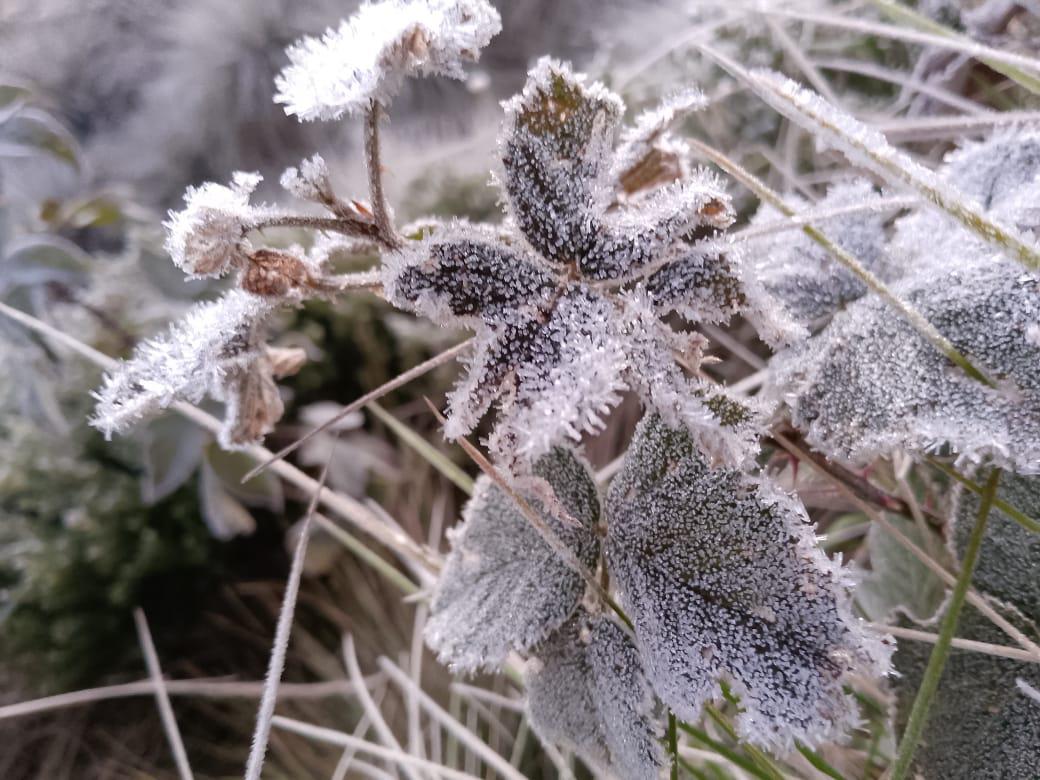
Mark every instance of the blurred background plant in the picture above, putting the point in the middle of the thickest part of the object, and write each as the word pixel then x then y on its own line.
pixel 136 100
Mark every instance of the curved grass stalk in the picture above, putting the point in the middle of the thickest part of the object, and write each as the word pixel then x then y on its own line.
pixel 900 13
pixel 971 645
pixel 867 147
pixel 937 660
pixel 1017 515
pixel 908 312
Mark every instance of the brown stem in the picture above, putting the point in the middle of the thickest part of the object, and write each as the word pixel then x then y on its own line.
pixel 380 211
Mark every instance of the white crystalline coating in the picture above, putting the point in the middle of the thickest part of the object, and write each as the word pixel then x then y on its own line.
pixel 368 57
pixel 867 147
pixel 573 388
pixel 724 428
pixel 310 181
pixel 586 691
pixel 207 237
pixel 802 274
pixel 650 130
pixel 723 579
pixel 214 350
pixel 870 384
pixel 503 587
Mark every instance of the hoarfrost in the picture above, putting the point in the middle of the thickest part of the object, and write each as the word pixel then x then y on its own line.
pixel 207 237
pixel 870 384
pixel 367 58
pixel 218 350
pixel 503 587
pixel 723 579
pixel 586 690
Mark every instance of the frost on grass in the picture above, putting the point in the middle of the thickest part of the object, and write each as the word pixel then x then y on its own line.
pixel 217 350
pixel 503 587
pixel 586 691
pixel 983 722
pixel 870 384
pixel 805 276
pixel 368 57
pixel 723 579
pixel 568 298
pixel 207 237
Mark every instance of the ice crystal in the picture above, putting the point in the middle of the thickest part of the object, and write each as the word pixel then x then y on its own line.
pixel 801 273
pixel 207 237
pixel 870 384
pixel 648 154
pixel 217 350
pixel 723 579
pixel 367 58
pixel 568 297
pixel 586 690
pixel 503 587
pixel 310 181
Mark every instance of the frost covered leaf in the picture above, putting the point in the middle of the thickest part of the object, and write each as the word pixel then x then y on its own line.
pixel 898 582
pixel 869 384
pixel 310 181
pixel 802 274
pixel 586 691
pixel 216 350
pixel 368 57
pixel 983 725
pixel 723 579
pixel 207 237
pixel 503 588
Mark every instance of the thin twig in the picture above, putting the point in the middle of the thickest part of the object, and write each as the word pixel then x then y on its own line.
pixel 985 648
pixel 276 665
pixel 937 660
pixel 373 162
pixel 169 721
pixel 374 395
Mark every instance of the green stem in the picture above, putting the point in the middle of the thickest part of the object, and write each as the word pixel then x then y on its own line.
pixel 673 745
pixel 764 762
pixel 818 762
pixel 1017 515
pixel 725 751
pixel 937 660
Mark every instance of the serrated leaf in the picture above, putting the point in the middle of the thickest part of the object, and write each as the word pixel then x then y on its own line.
pixel 722 577
pixel 869 384
pixel 586 691
pixel 503 587
pixel 898 582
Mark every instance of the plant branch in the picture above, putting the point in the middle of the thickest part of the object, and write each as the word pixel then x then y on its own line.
pixel 373 162
pixel 937 660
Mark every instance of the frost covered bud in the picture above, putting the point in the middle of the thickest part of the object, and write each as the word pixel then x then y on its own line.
pixel 207 237
pixel 367 58
pixel 310 181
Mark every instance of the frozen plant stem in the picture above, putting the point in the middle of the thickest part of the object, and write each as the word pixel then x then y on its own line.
pixel 1017 515
pixel 151 657
pixel 937 660
pixel 281 636
pixel 910 314
pixel 373 162
pixel 673 746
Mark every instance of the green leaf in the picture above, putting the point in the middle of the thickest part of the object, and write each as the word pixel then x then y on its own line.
pixel 898 581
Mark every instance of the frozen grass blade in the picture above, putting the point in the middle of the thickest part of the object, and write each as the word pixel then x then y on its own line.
pixel 402 759
pixel 502 767
pixel 908 312
pixel 283 628
pixel 971 645
pixel 383 731
pixel 428 452
pixel 867 147
pixel 151 658
pixel 937 660
pixel 1017 515
pixel 373 559
pixel 900 13
pixel 399 381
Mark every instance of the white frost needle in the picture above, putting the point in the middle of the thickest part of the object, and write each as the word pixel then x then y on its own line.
pixel 281 637
pixel 151 657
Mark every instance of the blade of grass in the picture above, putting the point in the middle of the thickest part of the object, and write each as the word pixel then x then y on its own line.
pixel 971 645
pixel 937 660
pixel 908 312
pixel 1017 515
pixel 725 751
pixel 764 762
pixel 865 146
pixel 900 13
pixel 280 647
pixel 818 762
pixel 429 453
pixel 673 746
pixel 162 698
